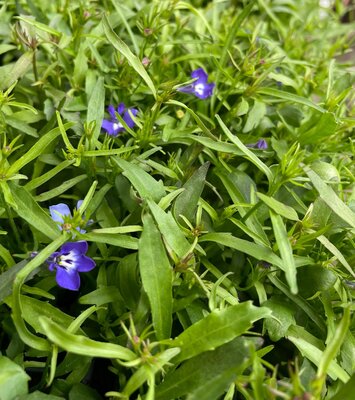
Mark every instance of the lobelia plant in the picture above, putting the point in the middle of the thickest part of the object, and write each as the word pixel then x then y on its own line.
pixel 221 261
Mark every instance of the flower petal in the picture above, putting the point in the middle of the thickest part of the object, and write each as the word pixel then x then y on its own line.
pixel 200 74
pixel 111 110
pixel 203 90
pixel 128 119
pixel 80 246
pixel 68 279
pixel 59 211
pixel 85 264
pixel 261 144
pixel 120 108
pixel 79 203
pixel 109 127
pixel 187 89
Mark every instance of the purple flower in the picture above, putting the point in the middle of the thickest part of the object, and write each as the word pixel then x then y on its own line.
pixel 261 144
pixel 68 262
pixel 200 87
pixel 113 126
pixel 61 214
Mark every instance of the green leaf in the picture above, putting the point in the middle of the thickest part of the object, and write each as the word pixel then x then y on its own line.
pixel 78 344
pixel 18 70
pixel 30 211
pixel 307 345
pixel 32 309
pixel 257 251
pixel 13 379
pixel 284 313
pixel 285 250
pixel 103 295
pixel 325 126
pixel 255 115
pixel 156 274
pixel 133 60
pixel 124 241
pixel 207 375
pixel 146 186
pixel 247 153
pixel 56 192
pixel 170 230
pixel 278 207
pixel 347 391
pixel 336 341
pixel 314 278
pixel 293 98
pixel 186 203
pixel 218 328
pixel 96 109
pixel 330 198
pixel 36 150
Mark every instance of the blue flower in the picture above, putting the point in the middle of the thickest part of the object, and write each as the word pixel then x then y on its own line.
pixel 261 144
pixel 68 262
pixel 200 87
pixel 61 214
pixel 113 126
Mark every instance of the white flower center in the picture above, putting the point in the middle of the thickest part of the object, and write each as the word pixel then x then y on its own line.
pixel 117 125
pixel 199 88
pixel 67 261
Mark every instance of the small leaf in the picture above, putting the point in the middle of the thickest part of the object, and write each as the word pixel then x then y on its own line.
pixel 331 199
pixel 279 208
pixel 18 70
pixel 124 241
pixel 30 211
pixel 146 186
pixel 255 115
pixel 219 327
pixel 186 203
pixel 285 249
pixel 96 107
pixel 156 274
pixel 170 230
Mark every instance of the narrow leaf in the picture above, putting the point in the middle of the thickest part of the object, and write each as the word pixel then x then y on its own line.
pixel 79 344
pixel 247 153
pixel 156 274
pixel 170 230
pixel 293 98
pixel 30 211
pixel 96 109
pixel 133 60
pixel 285 249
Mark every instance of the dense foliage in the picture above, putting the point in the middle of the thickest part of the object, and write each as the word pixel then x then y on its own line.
pixel 177 205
